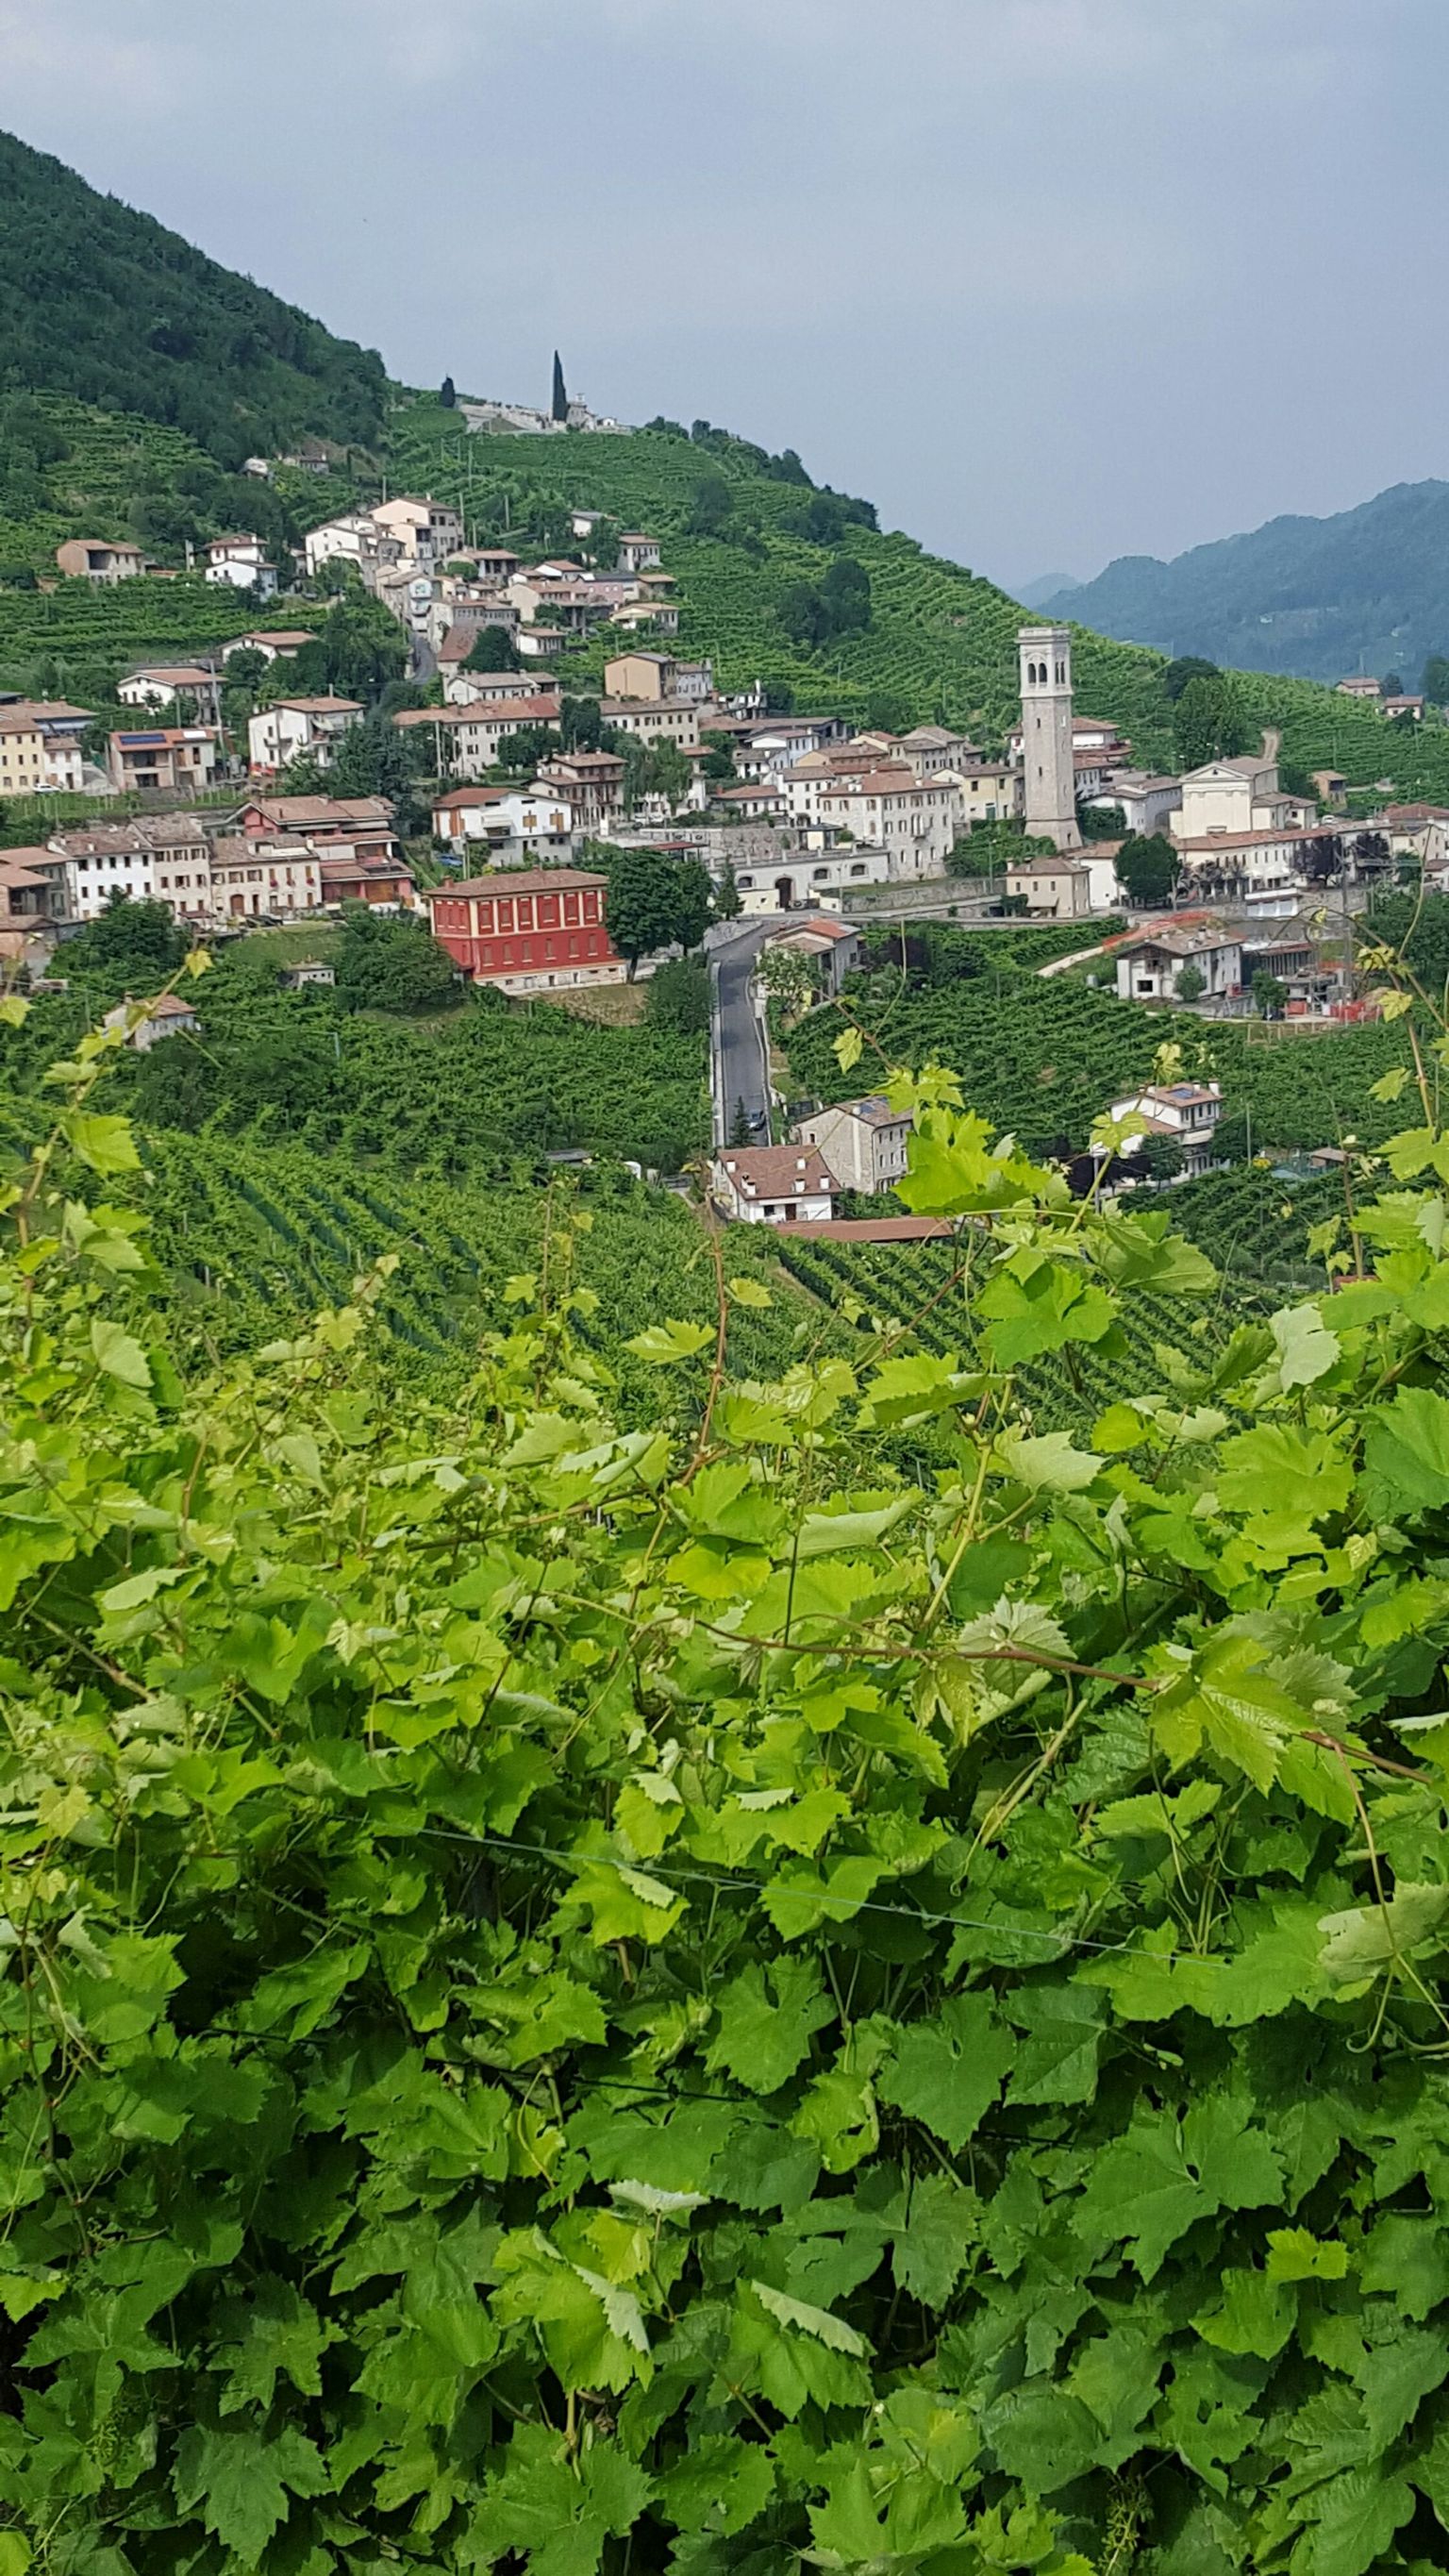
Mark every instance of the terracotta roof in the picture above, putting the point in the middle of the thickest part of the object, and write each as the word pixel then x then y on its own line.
pixel 279 636
pixel 319 706
pixel 776 1171
pixel 355 810
pixel 881 782
pixel 878 1229
pixel 520 881
pixel 178 674
pixel 486 711
pixel 459 797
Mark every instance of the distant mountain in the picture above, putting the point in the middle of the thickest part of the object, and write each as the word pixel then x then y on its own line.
pixel 1365 590
pixel 101 302
pixel 1035 594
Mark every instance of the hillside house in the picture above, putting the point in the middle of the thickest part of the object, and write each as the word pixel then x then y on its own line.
pixel 169 1016
pixel 1238 796
pixel 100 559
pixel 40 747
pixel 384 884
pixel 359 826
pixel 307 972
pixel 28 897
pixel 638 552
pixel 1092 735
pixel 472 688
pixel 1182 1113
pixel 641 675
pixel 160 684
pixel 1056 889
pixel 264 878
pixel 1399 708
pixel 916 824
pixel 242 561
pixel 528 827
pixel 659 720
pixel 647 617
pixel 355 538
pixel 590 783
pixel 466 738
pixel 528 930
pixel 864 1142
pixel 274 643
pixel 773 1185
pixel 171 760
pixel 986 791
pixel 828 944
pixel 293 728
pixel 1148 965
pixel 1359 685
pixel 1145 803
pixel 781 880
pixel 428 532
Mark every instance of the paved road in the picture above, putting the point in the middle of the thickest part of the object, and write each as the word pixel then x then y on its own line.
pixel 739 1068
pixel 423 660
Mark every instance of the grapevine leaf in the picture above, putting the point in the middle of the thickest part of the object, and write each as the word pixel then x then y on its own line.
pixel 826 2329
pixel 946 2072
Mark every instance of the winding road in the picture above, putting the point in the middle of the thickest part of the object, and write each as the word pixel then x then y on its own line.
pixel 738 1063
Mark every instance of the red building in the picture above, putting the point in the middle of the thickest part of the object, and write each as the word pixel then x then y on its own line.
pixel 526 929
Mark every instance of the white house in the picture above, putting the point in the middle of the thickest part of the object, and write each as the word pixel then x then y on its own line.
pixel 916 824
pixel 160 684
pixel 831 947
pixel 167 1017
pixel 863 1142
pixel 354 538
pixel 1148 967
pixel 241 561
pixel 282 733
pixel 1144 802
pixel 274 643
pixel 1239 796
pixel 773 1185
pixel 637 552
pixel 1184 1113
pixel 788 879
pixel 527 826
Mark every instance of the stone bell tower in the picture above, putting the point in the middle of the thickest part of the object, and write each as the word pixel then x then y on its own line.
pixel 1049 777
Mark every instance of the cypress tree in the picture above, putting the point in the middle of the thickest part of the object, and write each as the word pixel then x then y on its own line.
pixel 560 390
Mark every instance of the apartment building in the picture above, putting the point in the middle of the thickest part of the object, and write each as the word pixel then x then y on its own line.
pixel 525 930
pixel 40 747
pixel 292 728
pixel 172 760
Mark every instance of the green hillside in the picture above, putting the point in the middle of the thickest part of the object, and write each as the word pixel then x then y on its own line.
pixel 1360 591
pixel 941 642
pixel 99 301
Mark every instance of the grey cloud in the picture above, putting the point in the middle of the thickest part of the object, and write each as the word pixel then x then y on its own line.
pixel 1049 279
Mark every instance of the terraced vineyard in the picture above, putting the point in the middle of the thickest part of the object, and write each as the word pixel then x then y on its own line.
pixel 1045 1059
pixel 256 1239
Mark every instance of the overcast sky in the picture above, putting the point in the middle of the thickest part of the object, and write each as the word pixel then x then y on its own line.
pixel 1049 280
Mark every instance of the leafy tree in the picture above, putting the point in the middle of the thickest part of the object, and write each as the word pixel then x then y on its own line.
pixel 1269 994
pixel 677 996
pixel 1208 722
pixel 1191 983
pixel 356 651
pixel 719 761
pixel 493 649
pixel 1188 666
pixel 527 747
pixel 693 902
pixel 246 669
pixel 640 904
pixel 668 773
pixel 788 977
pixel 1147 867
pixel 729 903
pixel 741 1132
pixel 1391 685
pixel 845 591
pixel 390 962
pixel 128 947
pixel 448 394
pixel 1435 682
pixel 712 507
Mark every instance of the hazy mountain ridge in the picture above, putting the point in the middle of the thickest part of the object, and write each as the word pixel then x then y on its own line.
pixel 1366 589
